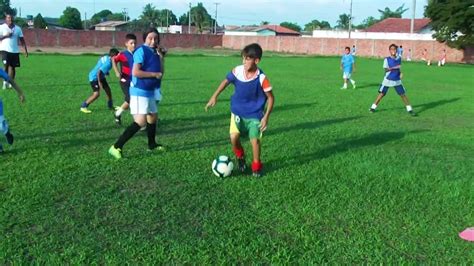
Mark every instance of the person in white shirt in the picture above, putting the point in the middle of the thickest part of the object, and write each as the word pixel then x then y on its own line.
pixel 10 34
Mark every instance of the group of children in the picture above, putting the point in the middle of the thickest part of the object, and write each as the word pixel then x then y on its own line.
pixel 141 69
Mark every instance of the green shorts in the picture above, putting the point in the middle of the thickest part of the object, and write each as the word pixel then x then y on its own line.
pixel 240 125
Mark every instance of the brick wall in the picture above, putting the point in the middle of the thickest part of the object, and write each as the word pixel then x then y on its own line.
pixel 65 38
pixel 333 46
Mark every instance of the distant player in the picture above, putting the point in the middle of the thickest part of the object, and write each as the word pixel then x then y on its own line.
pixel 353 50
pixel 400 51
pixel 392 78
pixel 10 34
pixel 247 104
pixel 98 81
pixel 347 66
pixel 409 55
pixel 125 59
pixel 3 123
pixel 425 57
pixel 146 78
pixel 442 59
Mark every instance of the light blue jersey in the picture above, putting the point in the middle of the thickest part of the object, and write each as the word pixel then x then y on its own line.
pixel 3 122
pixel 104 65
pixel 347 62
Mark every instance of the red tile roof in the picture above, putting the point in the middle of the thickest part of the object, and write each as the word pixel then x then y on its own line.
pixel 401 25
pixel 280 30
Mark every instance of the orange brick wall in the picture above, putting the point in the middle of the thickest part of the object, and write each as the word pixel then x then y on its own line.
pixel 332 46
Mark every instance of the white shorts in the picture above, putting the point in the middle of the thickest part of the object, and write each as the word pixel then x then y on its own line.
pixel 140 105
pixel 346 75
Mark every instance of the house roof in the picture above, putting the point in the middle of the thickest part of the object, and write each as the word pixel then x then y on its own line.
pixel 111 23
pixel 276 28
pixel 400 25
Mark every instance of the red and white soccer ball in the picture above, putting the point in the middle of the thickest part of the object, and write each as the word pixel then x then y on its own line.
pixel 222 166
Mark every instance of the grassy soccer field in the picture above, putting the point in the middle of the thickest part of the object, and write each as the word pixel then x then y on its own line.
pixel 341 185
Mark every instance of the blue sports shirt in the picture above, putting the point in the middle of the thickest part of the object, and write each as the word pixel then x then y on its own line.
pixel 390 62
pixel 104 65
pixel 150 62
pixel 347 61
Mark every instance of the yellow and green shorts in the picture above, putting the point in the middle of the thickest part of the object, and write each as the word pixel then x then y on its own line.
pixel 239 125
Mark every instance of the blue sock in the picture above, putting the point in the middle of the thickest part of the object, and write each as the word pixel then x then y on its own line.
pixel 110 104
pixel 84 105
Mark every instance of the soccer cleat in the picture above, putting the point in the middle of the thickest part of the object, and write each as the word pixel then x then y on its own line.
pixel 412 113
pixel 118 119
pixel 372 110
pixel 353 85
pixel 85 110
pixel 257 173
pixel 157 147
pixel 115 152
pixel 116 108
pixel 241 164
pixel 9 137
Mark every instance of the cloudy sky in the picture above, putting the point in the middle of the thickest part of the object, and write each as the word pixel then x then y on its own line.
pixel 230 12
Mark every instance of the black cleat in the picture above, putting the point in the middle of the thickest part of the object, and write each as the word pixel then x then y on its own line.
pixel 412 113
pixel 156 146
pixel 9 137
pixel 241 164
pixel 118 119
pixel 372 110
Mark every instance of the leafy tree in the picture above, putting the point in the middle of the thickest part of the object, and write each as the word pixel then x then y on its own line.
pixel 71 18
pixel 39 22
pixel 167 16
pixel 99 16
pixel 183 19
pixel 150 15
pixel 117 17
pixel 452 21
pixel 201 18
pixel 6 8
pixel 388 13
pixel 21 22
pixel 291 25
pixel 316 24
pixel 367 23
pixel 343 22
pixel 264 23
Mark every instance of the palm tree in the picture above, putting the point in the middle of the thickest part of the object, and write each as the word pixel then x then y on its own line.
pixel 388 13
pixel 200 17
pixel 150 15
pixel 343 22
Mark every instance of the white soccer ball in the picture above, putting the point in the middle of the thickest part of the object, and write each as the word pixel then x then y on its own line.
pixel 222 166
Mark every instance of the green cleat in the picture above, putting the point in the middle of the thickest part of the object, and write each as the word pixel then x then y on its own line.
pixel 85 110
pixel 115 152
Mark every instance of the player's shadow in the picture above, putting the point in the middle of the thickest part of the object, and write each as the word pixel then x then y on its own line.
pixel 372 140
pixel 427 106
pixel 311 125
pixel 370 85
pixel 59 132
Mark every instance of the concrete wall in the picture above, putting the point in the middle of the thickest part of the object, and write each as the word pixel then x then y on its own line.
pixel 427 36
pixel 66 38
pixel 333 46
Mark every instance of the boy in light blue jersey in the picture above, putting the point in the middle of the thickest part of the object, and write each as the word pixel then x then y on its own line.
pixel 393 78
pixel 347 67
pixel 97 81
pixel 4 128
pixel 248 115
pixel 146 78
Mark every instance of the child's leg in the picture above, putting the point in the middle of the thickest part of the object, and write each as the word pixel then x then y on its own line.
pixel 151 131
pixel 4 128
pixel 108 92
pixel 256 163
pixel 382 91
pixel 91 99
pixel 401 91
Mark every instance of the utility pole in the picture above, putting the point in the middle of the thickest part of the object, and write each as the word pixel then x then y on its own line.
pixel 412 24
pixel 350 20
pixel 189 19
pixel 167 21
pixel 215 19
pixel 85 20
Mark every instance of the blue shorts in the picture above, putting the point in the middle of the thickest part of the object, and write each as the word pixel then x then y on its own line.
pixel 399 89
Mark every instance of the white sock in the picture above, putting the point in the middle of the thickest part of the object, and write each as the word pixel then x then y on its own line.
pixel 345 86
pixel 5 84
pixel 119 112
pixel 374 106
pixel 353 81
pixel 409 108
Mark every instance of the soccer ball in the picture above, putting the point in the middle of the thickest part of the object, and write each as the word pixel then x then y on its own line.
pixel 222 166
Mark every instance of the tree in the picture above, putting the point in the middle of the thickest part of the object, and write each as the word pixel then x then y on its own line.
pixel 291 25
pixel 388 13
pixel 71 18
pixel 316 24
pixel 99 16
pixel 183 19
pixel 167 17
pixel 343 22
pixel 39 22
pixel 150 15
pixel 5 8
pixel 452 21
pixel 202 20
pixel 264 23
pixel 21 22
pixel 367 23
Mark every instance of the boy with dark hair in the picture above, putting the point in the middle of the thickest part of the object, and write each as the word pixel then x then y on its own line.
pixel 146 77
pixel 393 78
pixel 125 59
pixel 248 115
pixel 98 81
pixel 347 66
pixel 4 128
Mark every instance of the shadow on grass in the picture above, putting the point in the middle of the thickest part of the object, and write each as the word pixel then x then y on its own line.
pixel 427 106
pixel 370 85
pixel 375 139
pixel 311 125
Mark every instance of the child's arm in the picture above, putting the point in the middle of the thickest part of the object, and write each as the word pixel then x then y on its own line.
pixel 214 96
pixel 139 73
pixel 98 79
pixel 270 101
pixel 116 69
pixel 18 90
pixel 22 41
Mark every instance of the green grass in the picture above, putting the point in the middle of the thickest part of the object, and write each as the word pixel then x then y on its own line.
pixel 341 185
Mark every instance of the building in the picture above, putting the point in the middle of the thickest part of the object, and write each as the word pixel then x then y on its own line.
pixel 111 26
pixel 264 30
pixel 401 25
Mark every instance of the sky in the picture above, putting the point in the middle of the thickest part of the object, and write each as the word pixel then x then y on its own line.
pixel 230 12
